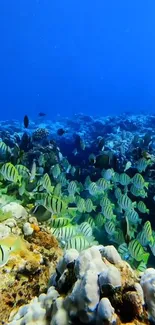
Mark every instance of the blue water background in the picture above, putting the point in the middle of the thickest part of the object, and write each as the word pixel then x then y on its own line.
pixel 72 56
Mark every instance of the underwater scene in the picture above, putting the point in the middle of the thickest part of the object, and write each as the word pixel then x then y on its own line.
pixel 77 162
pixel 77 220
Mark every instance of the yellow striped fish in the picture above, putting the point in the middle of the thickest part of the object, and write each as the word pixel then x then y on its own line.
pixel 139 181
pixel 125 202
pixel 64 233
pixel 137 251
pixel 53 204
pixel 59 222
pixel 142 207
pixel 46 183
pixel 10 173
pixel 78 242
pixel 23 171
pixel 124 179
pixel 4 149
pixel 148 232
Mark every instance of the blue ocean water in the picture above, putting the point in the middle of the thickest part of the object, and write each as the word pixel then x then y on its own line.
pixel 64 57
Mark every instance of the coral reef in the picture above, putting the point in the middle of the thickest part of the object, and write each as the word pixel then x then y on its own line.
pixel 40 134
pixel 68 186
pixel 148 284
pixel 86 300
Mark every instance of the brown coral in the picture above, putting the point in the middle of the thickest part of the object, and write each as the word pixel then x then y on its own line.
pixel 131 306
pixel 26 275
pixel 45 240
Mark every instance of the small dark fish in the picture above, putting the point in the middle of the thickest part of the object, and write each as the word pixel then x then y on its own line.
pixel 147 139
pixel 61 131
pixel 26 121
pixel 138 153
pixel 79 143
pixel 126 229
pixel 102 161
pixel 92 159
pixel 42 114
pixel 25 143
pixel 100 143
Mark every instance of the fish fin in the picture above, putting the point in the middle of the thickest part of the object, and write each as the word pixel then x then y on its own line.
pixel 147 185
pixel 151 243
pixel 134 204
pixel 35 209
pixel 19 181
pixel 72 211
pixel 146 257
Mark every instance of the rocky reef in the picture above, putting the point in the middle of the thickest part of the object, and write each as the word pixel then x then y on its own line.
pixel 26 273
pixel 94 286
